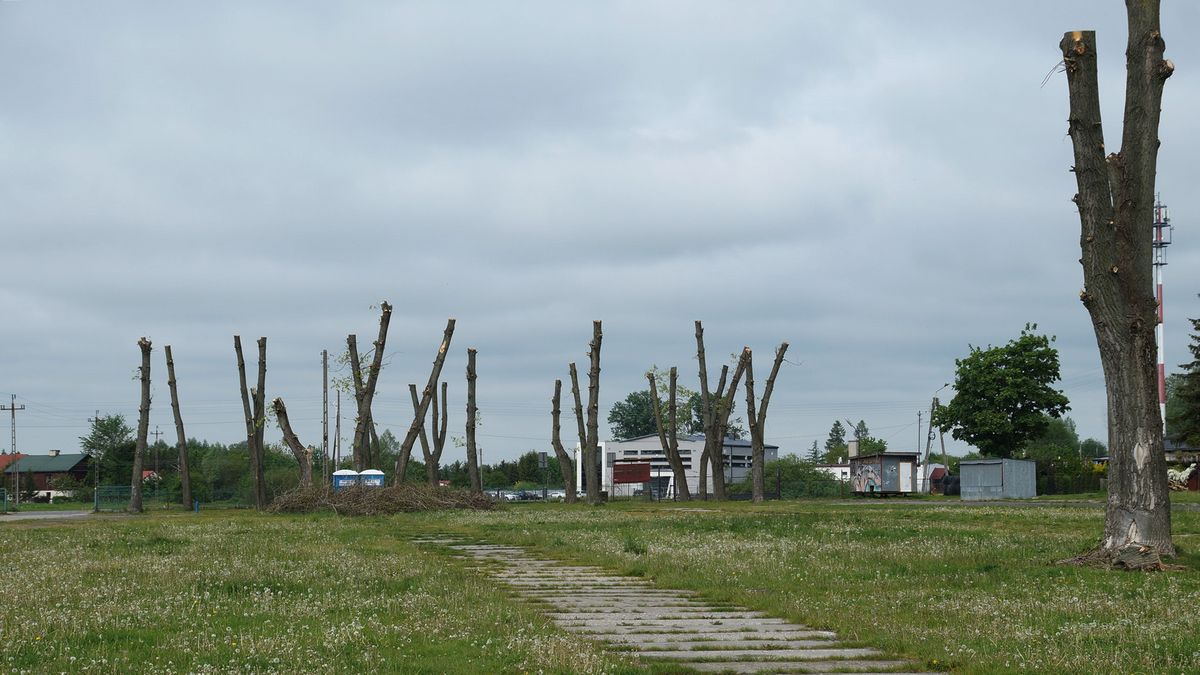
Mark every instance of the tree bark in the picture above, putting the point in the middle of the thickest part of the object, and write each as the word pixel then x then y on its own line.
pixel 247 412
pixel 472 412
pixel 423 405
pixel 669 437
pixel 715 408
pixel 564 460
pixel 185 480
pixel 758 420
pixel 139 452
pixel 364 391
pixel 302 454
pixel 1115 200
pixel 432 452
pixel 593 411
pixel 260 426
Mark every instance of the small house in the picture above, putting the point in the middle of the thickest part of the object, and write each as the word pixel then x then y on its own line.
pixel 884 473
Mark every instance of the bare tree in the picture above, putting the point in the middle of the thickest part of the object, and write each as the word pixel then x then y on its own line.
pixel 564 460
pixel 423 405
pixel 254 410
pixel 472 414
pixel 1115 200
pixel 433 454
pixel 593 412
pixel 758 419
pixel 139 452
pixel 302 454
pixel 185 480
pixel 364 390
pixel 715 408
pixel 587 461
pixel 669 437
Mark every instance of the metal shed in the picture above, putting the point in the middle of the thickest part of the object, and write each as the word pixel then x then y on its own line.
pixel 885 473
pixel 998 479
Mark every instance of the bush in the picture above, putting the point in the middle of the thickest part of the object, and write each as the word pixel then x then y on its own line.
pixel 374 501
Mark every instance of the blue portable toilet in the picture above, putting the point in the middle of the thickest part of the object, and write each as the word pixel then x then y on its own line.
pixel 370 478
pixel 344 478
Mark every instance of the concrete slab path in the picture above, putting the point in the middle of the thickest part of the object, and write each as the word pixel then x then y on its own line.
pixel 632 614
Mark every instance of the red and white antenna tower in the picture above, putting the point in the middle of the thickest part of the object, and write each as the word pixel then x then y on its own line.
pixel 1162 239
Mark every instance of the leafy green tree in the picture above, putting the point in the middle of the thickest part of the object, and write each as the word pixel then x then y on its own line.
pixel 110 444
pixel 1183 420
pixel 867 444
pixel 1093 448
pixel 836 443
pixel 796 478
pixel 1003 395
pixel 814 453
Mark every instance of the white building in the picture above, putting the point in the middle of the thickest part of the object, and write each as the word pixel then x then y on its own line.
pixel 662 479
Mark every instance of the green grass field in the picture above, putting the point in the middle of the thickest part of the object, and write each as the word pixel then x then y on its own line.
pixel 968 589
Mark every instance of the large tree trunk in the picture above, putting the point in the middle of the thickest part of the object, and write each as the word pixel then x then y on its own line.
pixel 260 426
pixel 472 412
pixel 423 405
pixel 139 452
pixel 587 464
pixel 247 410
pixel 593 411
pixel 715 408
pixel 702 485
pixel 302 454
pixel 564 460
pixel 669 437
pixel 1115 199
pixel 364 390
pixel 185 480
pixel 758 420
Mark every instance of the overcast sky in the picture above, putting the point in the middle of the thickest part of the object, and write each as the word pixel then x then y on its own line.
pixel 880 184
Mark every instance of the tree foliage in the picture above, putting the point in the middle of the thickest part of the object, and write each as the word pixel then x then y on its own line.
pixel 1004 395
pixel 1183 400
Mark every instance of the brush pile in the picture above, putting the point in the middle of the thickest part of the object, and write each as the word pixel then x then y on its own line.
pixel 379 501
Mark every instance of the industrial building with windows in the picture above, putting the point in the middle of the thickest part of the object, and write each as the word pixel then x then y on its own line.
pixel 737 453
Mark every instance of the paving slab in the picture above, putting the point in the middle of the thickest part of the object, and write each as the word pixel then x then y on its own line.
pixel 631 613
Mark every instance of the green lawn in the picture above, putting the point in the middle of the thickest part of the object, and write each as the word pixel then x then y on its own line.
pixel 968 589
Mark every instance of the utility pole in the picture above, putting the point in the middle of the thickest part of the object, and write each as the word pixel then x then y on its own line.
pixel 919 413
pixel 13 410
pixel 337 436
pixel 96 468
pixel 325 414
pixel 157 433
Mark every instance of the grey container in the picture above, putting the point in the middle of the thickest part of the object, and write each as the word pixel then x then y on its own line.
pixel 997 479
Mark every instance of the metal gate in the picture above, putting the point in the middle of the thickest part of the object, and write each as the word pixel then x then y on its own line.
pixel 112 497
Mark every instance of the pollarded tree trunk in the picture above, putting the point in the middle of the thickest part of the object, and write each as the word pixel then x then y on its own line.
pixel 302 454
pixel 715 408
pixel 139 452
pixel 423 405
pixel 586 460
pixel 1115 200
pixel 185 480
pixel 432 451
pixel 669 437
pixel 758 419
pixel 260 426
pixel 364 390
pixel 247 410
pixel 564 460
pixel 593 411
pixel 472 412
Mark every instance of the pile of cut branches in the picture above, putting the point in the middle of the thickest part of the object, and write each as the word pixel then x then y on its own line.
pixel 376 501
